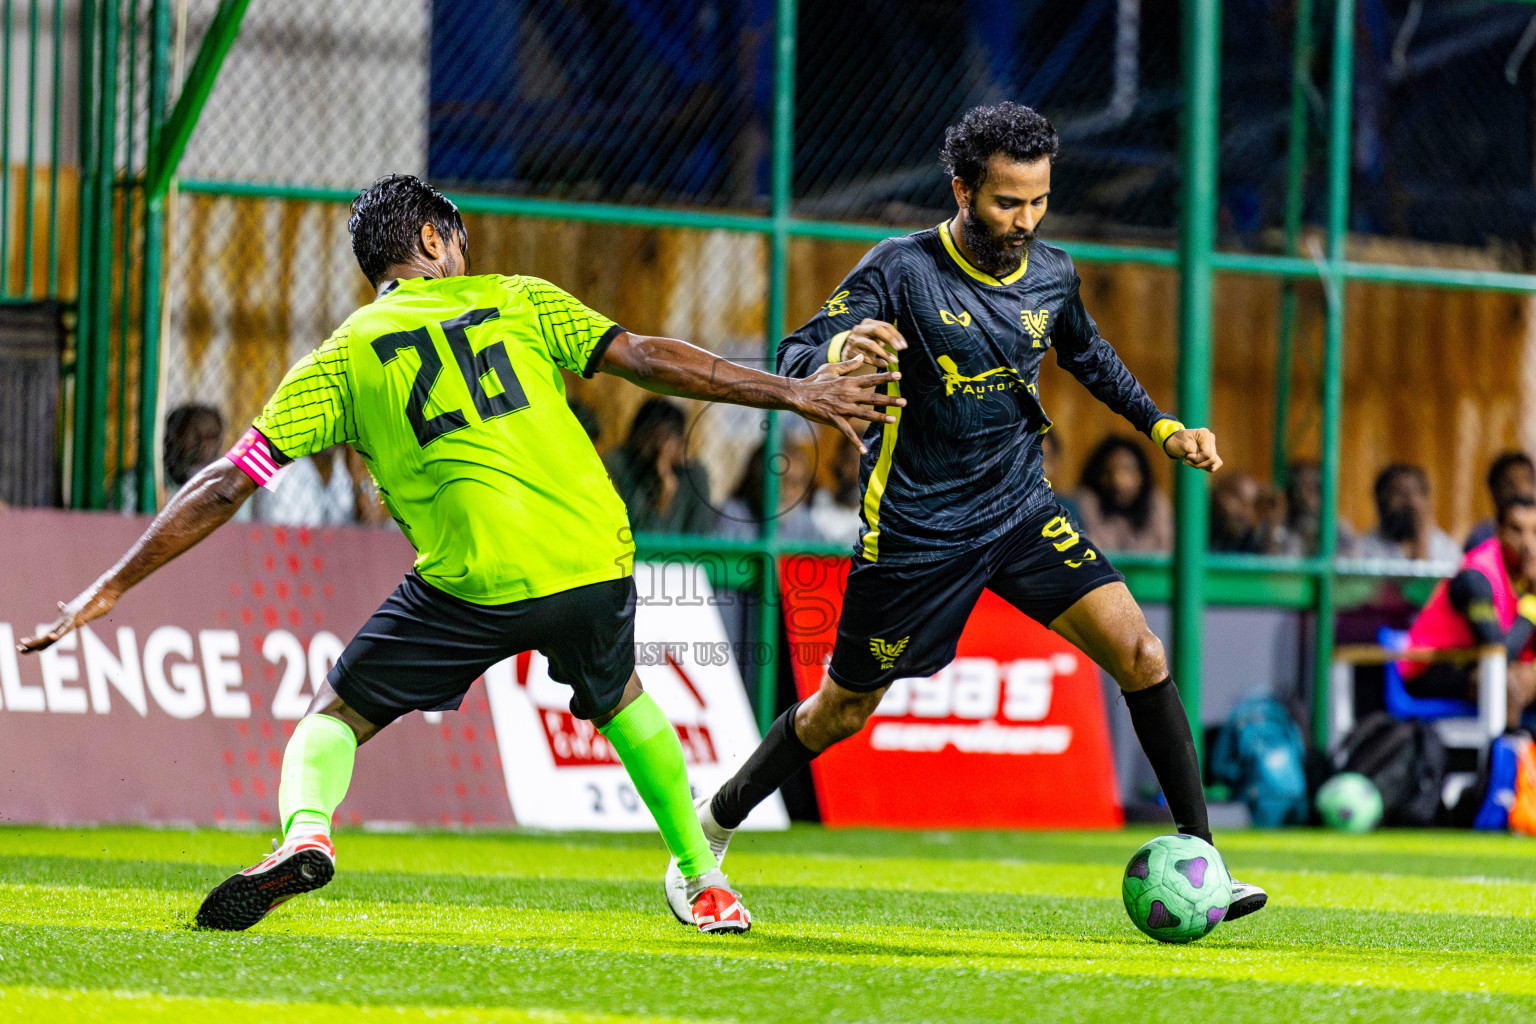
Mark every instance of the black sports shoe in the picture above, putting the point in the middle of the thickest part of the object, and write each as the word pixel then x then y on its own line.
pixel 300 865
pixel 1246 898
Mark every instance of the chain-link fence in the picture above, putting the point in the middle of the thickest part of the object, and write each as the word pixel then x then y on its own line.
pixel 640 104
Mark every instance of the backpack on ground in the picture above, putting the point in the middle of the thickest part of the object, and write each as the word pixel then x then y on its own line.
pixel 1261 755
pixel 1406 761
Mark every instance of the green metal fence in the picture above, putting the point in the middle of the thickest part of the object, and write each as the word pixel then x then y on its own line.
pixel 132 139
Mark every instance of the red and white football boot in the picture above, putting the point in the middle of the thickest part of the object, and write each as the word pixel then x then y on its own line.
pixel 718 910
pixel 302 864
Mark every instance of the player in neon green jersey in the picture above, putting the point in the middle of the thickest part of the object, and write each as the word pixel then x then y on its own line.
pixel 450 388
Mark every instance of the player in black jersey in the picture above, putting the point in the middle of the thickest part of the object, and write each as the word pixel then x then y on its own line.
pixel 955 500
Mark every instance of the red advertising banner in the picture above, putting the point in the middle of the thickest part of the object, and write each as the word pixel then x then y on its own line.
pixel 175 708
pixel 1011 734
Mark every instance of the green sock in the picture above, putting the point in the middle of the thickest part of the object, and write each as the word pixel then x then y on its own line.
pixel 317 766
pixel 648 746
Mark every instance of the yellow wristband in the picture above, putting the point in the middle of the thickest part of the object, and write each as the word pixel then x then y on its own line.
pixel 835 347
pixel 1163 429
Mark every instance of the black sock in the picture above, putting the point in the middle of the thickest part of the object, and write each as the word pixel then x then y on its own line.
pixel 779 756
pixel 1163 729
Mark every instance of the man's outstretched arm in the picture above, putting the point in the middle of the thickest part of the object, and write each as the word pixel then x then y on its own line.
pixel 829 395
pixel 1082 352
pixel 207 501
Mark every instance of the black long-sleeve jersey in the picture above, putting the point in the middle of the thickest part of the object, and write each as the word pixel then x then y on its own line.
pixel 962 464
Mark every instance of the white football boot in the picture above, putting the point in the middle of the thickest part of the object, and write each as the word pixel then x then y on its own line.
pixel 674 884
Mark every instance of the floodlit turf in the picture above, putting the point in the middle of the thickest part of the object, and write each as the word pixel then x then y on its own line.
pixel 851 926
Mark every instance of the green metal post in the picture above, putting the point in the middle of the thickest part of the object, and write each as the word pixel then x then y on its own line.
pixel 102 251
pixel 1341 101
pixel 5 154
pixel 1197 238
pixel 154 247
pixel 125 297
pixel 90 95
pixel 1295 198
pixel 53 158
pixel 194 93
pixel 26 204
pixel 781 184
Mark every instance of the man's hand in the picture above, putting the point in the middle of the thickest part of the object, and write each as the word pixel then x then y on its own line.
pixel 877 341
pixel 204 503
pixel 1194 447
pixel 837 393
pixel 93 604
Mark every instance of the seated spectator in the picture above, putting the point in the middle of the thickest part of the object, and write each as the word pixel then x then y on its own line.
pixel 586 417
pixel 1237 523
pixel 1304 515
pixel 835 509
pixel 1050 457
pixel 1405 524
pixel 1511 474
pixel 316 490
pixel 664 492
pixel 194 437
pixel 1121 509
pixel 741 515
pixel 1488 602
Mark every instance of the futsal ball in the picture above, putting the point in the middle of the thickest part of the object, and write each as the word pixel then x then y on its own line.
pixel 1351 802
pixel 1176 888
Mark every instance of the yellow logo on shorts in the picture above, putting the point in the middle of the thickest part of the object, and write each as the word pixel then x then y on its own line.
pixel 887 651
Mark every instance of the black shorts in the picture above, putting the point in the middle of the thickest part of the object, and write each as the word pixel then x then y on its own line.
pixel 423 648
pixel 905 620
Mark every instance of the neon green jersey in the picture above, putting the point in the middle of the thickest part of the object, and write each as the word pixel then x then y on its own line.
pixel 451 391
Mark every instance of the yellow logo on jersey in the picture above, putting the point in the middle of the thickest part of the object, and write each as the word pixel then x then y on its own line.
pixel 837 305
pixel 887 651
pixel 964 319
pixel 999 378
pixel 1037 322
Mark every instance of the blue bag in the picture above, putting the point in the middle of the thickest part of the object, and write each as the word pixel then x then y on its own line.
pixel 1261 755
pixel 1503 766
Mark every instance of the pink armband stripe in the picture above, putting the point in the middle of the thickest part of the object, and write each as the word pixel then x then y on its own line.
pixel 253 454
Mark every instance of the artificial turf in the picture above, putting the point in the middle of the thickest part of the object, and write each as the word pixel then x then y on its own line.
pixel 849 926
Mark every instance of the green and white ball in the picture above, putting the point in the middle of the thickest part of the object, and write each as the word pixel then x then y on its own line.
pixel 1351 802
pixel 1176 888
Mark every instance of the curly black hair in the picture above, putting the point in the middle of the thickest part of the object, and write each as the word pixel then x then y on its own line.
pixel 1097 468
pixel 1016 131
pixel 387 218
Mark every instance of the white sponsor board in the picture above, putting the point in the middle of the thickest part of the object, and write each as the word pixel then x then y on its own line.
pixel 562 774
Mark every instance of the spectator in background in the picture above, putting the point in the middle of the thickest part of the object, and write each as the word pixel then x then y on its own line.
pixel 663 491
pixel 317 490
pixel 741 515
pixel 1405 523
pixel 1237 523
pixel 194 437
pixel 1489 601
pixel 835 509
pixel 587 418
pixel 1511 475
pixel 1121 509
pixel 1304 515
pixel 1050 456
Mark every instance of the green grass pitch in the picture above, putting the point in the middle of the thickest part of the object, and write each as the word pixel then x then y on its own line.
pixel 851 926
